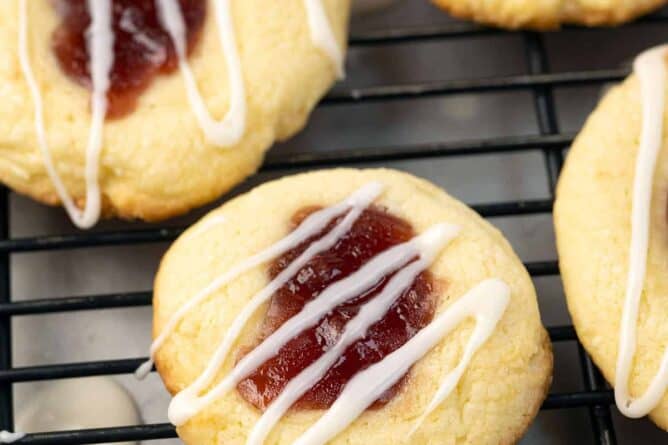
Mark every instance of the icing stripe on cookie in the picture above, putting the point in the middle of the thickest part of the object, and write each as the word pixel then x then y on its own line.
pixel 208 223
pixel 486 303
pixel 322 34
pixel 231 128
pixel 100 46
pixel 650 67
pixel 311 226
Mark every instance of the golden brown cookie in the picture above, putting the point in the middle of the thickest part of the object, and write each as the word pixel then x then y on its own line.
pixel 548 14
pixel 601 191
pixel 500 390
pixel 156 161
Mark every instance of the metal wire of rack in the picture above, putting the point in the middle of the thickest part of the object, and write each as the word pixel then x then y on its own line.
pixel 597 397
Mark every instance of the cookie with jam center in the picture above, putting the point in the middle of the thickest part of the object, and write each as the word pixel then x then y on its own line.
pixel 146 109
pixel 238 254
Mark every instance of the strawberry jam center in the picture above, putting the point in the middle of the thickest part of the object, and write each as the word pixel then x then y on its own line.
pixel 142 47
pixel 374 232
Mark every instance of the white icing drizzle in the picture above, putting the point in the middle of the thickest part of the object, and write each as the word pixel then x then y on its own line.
pixel 651 71
pixel 231 128
pixel 188 402
pixel 430 244
pixel 9 437
pixel 486 303
pixel 100 39
pixel 312 225
pixel 209 223
pixel 322 34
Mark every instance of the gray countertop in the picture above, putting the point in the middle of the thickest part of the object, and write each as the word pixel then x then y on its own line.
pixel 122 333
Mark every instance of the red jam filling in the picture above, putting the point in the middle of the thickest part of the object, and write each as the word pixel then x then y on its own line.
pixel 375 231
pixel 142 47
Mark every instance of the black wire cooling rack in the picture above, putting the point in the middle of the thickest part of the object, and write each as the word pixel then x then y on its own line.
pixel 597 397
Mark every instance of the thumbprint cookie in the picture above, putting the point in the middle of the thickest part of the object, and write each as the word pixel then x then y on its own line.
pixel 348 307
pixel 549 14
pixel 148 108
pixel 611 218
